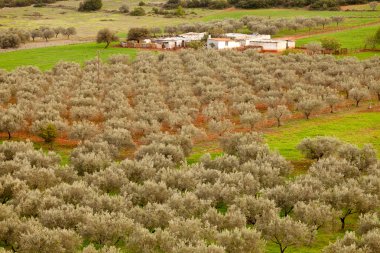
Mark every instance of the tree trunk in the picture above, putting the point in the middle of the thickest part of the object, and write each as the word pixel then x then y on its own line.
pixel 278 122
pixel 357 103
pixel 331 109
pixel 343 221
pixel 378 96
pixel 283 249
pixel 307 115
pixel 9 135
pixel 108 43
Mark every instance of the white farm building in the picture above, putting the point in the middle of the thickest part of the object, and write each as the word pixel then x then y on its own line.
pixel 222 43
pixel 273 45
pixel 236 40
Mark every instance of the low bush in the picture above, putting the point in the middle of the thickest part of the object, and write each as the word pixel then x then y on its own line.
pixel 138 11
pixel 90 5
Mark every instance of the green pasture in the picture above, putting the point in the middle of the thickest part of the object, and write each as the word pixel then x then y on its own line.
pixel 362 55
pixel 46 58
pixel 287 13
pixel 357 128
pixel 353 38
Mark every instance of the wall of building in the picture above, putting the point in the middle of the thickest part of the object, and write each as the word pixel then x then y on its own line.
pixel 222 44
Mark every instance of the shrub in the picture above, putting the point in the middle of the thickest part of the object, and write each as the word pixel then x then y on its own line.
pixel 9 40
pixel 48 133
pixel 90 5
pixel 137 11
pixel 196 44
pixel 124 8
pixel 330 44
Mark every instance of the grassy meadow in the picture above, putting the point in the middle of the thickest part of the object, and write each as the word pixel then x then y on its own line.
pixel 64 13
pixel 353 38
pixel 347 126
pixel 46 58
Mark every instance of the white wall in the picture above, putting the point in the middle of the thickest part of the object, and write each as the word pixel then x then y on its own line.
pixel 279 45
pixel 222 44
pixel 291 44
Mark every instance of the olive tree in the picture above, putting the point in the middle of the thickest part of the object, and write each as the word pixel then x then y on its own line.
pixel 315 214
pixel 106 36
pixel 286 232
pixel 375 88
pixel 307 106
pixel 250 118
pixel 318 147
pixel 351 199
pixel 358 94
pixel 279 112
pixel 332 100
pixel 11 120
pixel 47 34
pixel 373 5
pixel 69 32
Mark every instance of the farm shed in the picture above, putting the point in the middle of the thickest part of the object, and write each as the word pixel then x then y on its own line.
pixel 222 43
pixel 272 45
pixel 170 42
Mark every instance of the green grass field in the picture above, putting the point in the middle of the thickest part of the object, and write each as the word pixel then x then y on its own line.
pixel 351 39
pixel 356 128
pixel 286 13
pixel 354 38
pixel 347 126
pixel 46 58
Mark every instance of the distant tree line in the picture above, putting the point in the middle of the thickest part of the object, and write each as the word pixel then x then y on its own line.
pixel 248 24
pixel 256 4
pixel 13 38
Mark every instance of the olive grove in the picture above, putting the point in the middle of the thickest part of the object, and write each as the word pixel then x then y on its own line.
pixel 157 107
